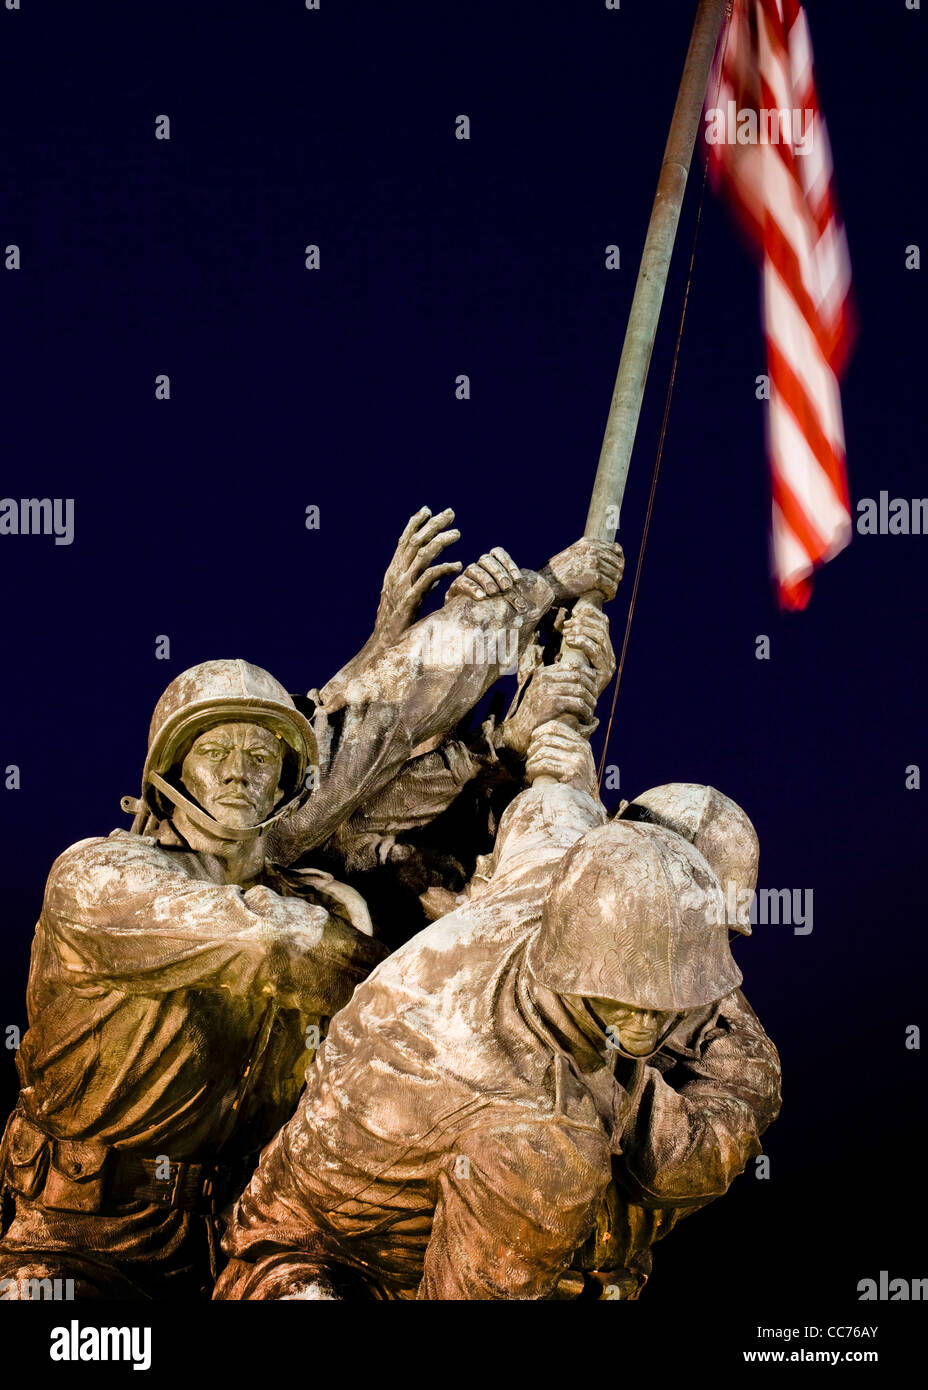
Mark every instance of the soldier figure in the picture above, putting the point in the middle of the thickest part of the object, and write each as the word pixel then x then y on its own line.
pixel 705 1095
pixel 174 979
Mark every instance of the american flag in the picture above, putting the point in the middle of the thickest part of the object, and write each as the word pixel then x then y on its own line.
pixel 768 150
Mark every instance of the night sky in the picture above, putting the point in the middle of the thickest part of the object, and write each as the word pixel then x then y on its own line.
pixel 336 388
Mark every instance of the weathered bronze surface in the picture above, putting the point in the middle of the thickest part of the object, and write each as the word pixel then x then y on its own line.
pixel 516 1103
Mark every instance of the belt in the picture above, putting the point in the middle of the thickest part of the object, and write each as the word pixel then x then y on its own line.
pixel 181 1184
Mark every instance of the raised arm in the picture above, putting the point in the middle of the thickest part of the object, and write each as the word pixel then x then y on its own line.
pixel 585 566
pixel 426 683
pixel 421 687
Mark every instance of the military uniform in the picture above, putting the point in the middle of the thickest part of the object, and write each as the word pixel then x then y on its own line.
pixel 458 1134
pixel 168 1032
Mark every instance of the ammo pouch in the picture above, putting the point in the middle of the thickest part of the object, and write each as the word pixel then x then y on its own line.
pixel 75 1177
pixel 64 1174
pixel 23 1157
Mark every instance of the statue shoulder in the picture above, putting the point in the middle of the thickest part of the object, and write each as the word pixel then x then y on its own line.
pixel 105 866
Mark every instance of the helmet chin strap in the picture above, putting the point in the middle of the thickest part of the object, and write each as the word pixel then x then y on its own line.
pixel 218 829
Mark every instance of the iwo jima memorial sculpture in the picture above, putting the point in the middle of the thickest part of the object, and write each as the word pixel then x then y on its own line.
pixel 360 1008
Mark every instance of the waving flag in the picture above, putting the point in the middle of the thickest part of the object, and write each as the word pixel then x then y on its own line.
pixel 769 152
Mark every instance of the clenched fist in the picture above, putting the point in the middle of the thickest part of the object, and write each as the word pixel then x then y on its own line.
pixel 587 631
pixel 559 752
pixel 494 573
pixel 553 691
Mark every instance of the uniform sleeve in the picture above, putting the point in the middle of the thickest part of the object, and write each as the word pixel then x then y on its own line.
pixel 421 687
pixel 318 970
pixel 425 787
pixel 491 632
pixel 120 915
pixel 698 1124
pixel 513 1206
pixel 445 662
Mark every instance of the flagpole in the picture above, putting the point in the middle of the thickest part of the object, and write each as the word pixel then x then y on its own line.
pixel 622 422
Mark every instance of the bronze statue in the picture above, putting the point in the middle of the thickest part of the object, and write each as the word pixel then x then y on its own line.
pixel 529 1092
pixel 181 978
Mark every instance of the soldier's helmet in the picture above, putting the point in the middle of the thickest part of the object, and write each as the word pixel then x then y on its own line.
pixel 634 914
pixel 719 829
pixel 223 692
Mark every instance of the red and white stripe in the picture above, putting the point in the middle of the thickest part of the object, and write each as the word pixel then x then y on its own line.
pixel 785 199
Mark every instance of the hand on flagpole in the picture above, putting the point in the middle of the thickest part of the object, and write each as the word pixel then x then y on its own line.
pixel 552 693
pixel 587 631
pixel 586 654
pixel 587 566
pixel 559 754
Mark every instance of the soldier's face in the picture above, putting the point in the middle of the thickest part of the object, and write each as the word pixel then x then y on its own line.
pixel 637 1031
pixel 234 772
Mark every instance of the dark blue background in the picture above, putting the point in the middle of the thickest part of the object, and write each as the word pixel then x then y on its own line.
pixel 485 257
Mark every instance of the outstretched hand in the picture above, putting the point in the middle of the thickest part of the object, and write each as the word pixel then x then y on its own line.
pixel 411 574
pixel 408 579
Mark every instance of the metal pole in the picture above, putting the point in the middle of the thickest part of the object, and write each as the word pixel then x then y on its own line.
pixel 622 423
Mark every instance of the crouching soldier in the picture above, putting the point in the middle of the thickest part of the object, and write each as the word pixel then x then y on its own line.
pixel 459 1134
pixel 177 981
pixel 699 1102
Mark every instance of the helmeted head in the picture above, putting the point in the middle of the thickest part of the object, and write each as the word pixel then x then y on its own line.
pixel 229 748
pixel 718 828
pixel 633 926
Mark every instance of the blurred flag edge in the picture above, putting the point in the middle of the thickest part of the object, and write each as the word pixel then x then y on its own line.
pixel 769 156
